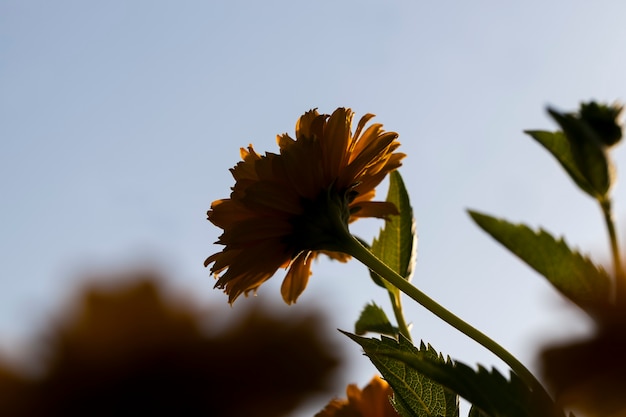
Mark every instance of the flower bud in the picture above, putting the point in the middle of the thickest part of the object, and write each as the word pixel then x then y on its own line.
pixel 603 120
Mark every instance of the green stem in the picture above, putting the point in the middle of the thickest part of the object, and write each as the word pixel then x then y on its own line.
pixel 396 303
pixel 358 251
pixel 620 280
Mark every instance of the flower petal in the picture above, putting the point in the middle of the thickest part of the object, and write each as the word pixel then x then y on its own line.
pixel 303 126
pixel 379 209
pixel 335 142
pixel 248 268
pixel 297 277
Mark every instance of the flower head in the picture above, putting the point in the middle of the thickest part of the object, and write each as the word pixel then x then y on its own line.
pixel 286 209
pixel 371 401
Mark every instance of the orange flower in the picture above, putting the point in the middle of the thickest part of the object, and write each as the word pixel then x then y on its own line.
pixel 285 209
pixel 372 401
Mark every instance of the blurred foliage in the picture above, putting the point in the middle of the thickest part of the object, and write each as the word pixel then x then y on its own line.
pixel 130 350
pixel 589 374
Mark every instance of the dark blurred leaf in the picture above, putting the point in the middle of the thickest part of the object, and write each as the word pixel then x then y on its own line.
pixel 374 319
pixel 477 412
pixel 588 151
pixel 558 145
pixel 574 275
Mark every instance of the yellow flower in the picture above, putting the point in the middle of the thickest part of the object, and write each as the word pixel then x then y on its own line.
pixel 372 401
pixel 285 209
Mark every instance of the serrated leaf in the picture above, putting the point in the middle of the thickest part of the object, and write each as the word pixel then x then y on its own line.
pixel 558 145
pixel 574 275
pixel 414 393
pixel 396 244
pixel 374 319
pixel 489 391
pixel 402 407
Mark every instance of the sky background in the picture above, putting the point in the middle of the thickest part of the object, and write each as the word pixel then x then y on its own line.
pixel 119 122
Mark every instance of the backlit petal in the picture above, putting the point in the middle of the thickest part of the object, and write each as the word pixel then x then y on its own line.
pixel 297 277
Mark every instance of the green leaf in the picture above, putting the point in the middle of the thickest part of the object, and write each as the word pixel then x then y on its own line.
pixel 414 393
pixel 489 392
pixel 396 244
pixel 374 319
pixel 574 275
pixel 558 145
pixel 588 151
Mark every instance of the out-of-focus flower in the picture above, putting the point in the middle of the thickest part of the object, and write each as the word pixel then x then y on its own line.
pixel 15 391
pixel 131 350
pixel 372 401
pixel 285 209
pixel 589 375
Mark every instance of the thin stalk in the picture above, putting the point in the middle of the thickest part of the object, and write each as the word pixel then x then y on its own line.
pixel 620 280
pixel 358 251
pixel 396 304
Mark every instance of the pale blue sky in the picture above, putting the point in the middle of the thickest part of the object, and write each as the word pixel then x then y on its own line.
pixel 119 121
